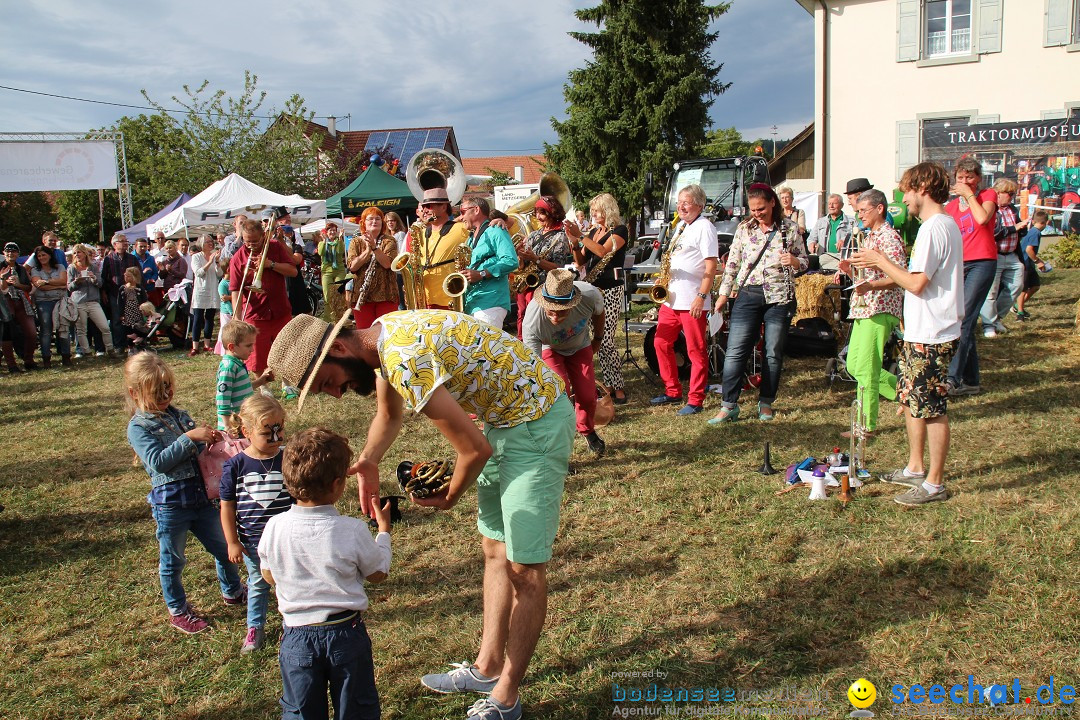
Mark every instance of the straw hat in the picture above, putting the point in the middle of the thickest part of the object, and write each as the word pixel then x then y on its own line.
pixel 559 291
pixel 300 349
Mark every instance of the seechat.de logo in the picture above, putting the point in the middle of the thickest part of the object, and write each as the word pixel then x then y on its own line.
pixel 862 695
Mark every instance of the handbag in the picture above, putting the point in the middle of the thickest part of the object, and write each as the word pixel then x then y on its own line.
pixel 605 406
pixel 212 462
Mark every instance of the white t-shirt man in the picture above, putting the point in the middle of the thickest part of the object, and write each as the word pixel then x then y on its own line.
pixel 934 315
pixel 696 244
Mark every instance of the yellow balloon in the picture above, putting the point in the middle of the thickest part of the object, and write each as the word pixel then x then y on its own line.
pixel 862 693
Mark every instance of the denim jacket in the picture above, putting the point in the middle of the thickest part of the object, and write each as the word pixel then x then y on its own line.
pixel 166 452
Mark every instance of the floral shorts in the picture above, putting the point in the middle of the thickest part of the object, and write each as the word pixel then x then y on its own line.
pixel 924 372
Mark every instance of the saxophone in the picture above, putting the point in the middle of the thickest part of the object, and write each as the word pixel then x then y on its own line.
pixel 658 293
pixel 455 284
pixel 528 278
pixel 412 278
pixel 599 268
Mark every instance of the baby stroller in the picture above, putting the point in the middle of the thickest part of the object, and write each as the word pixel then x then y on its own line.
pixel 163 322
pixel 836 368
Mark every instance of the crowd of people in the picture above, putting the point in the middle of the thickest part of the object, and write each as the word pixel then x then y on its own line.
pixel 508 406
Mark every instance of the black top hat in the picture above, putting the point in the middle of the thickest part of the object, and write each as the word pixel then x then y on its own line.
pixel 279 212
pixel 858 185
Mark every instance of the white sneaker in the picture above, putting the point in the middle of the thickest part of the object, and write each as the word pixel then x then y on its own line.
pixel 989 332
pixel 99 353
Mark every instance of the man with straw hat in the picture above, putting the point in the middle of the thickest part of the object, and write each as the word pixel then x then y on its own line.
pixel 446 365
pixel 556 325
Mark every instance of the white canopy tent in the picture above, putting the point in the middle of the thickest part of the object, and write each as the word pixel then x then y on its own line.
pixel 229 197
pixel 313 228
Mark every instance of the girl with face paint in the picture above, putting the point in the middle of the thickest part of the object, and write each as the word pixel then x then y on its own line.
pixel 253 491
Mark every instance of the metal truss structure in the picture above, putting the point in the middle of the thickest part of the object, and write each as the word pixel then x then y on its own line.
pixel 117 138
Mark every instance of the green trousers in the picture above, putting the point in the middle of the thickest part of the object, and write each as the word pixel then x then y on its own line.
pixel 865 350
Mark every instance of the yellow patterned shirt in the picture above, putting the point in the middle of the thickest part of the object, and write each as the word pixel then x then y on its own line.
pixel 488 372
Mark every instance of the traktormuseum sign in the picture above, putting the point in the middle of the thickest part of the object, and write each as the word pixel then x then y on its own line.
pixel 1033 132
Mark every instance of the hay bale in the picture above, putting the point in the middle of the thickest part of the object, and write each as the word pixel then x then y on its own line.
pixel 814 301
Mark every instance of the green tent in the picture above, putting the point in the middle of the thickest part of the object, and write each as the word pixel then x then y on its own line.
pixel 374 188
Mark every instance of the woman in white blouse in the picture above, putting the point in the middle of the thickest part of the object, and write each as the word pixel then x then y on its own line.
pixel 204 294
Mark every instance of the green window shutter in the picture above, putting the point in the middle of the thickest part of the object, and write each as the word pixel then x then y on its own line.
pixel 907 146
pixel 989 19
pixel 1057 23
pixel 908 23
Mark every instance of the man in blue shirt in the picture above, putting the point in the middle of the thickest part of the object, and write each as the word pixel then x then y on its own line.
pixel 493 259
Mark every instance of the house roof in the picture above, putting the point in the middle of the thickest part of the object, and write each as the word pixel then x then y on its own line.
pixel 806 132
pixel 532 166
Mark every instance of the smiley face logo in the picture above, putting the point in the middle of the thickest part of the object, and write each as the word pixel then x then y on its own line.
pixel 862 693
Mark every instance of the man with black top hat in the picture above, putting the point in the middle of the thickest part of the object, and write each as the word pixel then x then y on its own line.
pixel 556 327
pixel 437 247
pixel 855 188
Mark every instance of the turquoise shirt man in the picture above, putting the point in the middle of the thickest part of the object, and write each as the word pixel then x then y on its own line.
pixel 493 259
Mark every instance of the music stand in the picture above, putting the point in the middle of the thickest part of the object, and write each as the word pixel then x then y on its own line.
pixel 628 354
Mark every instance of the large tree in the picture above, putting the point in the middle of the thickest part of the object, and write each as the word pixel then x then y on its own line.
pixel 24 216
pixel 642 101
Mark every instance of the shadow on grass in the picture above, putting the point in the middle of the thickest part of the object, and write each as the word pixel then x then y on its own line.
pixel 43 540
pixel 28 472
pixel 1050 467
pixel 799 627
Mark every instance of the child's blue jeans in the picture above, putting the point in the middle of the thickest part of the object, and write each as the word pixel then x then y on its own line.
pixel 173 525
pixel 258 589
pixel 314 657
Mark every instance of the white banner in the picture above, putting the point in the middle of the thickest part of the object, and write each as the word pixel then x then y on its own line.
pixel 77 165
pixel 507 195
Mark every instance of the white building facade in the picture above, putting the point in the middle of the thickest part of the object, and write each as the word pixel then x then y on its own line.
pixel 901 81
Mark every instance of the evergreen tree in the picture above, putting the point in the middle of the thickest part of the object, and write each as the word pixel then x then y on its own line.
pixel 642 101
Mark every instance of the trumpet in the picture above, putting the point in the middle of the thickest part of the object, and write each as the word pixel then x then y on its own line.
pixel 858 275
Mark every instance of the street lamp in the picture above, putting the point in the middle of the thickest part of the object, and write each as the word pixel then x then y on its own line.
pixel 774 129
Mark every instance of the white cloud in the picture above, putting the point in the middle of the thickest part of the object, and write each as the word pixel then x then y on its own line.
pixel 493 69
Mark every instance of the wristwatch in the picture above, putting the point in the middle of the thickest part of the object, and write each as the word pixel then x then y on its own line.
pixel 703 296
pixel 484 274
pixel 272 263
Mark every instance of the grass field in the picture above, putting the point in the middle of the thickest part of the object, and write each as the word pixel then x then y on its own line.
pixel 674 555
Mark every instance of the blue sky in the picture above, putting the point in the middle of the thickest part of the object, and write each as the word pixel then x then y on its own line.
pixel 494 70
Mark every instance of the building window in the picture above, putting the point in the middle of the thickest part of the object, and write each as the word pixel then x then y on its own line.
pixel 1076 22
pixel 948 27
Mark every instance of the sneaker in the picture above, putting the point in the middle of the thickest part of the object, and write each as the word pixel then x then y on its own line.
pixel 289 392
pixel 491 709
pixel 900 476
pixel 463 678
pixel 989 331
pixel 240 599
pixel 665 400
pixel 80 355
pixel 188 622
pixel 111 352
pixel 254 641
pixel 99 353
pixel 918 495
pixel 963 389
pixel 688 409
pixel 1000 327
pixel 596 444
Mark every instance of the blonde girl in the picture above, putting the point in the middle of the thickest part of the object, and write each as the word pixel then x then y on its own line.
pixel 167 442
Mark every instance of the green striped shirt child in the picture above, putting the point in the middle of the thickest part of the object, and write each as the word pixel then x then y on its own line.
pixel 233 387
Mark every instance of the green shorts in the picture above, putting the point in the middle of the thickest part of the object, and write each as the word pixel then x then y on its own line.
pixel 520 490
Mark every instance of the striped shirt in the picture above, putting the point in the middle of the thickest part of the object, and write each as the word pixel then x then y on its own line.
pixel 258 489
pixel 233 387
